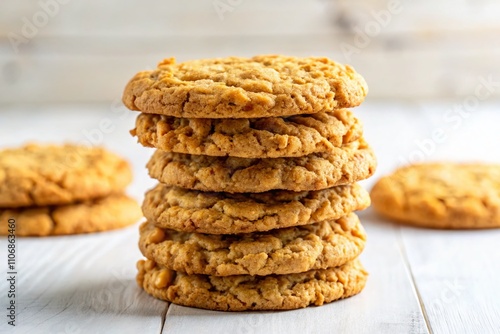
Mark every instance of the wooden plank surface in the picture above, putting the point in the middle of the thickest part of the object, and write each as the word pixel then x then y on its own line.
pixel 441 47
pixel 81 284
pixel 456 273
pixel 451 69
pixel 387 305
pixel 420 280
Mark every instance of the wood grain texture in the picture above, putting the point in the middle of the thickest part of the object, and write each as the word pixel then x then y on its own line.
pixel 85 284
pixel 200 17
pixel 441 47
pixel 387 305
pixel 435 66
pixel 456 273
pixel 88 288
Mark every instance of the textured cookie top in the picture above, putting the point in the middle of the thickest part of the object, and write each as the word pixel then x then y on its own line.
pixel 246 292
pixel 102 214
pixel 282 251
pixel 270 137
pixel 50 174
pixel 262 86
pixel 351 163
pixel 441 195
pixel 224 213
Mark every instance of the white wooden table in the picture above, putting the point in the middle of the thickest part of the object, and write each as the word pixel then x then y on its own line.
pixel 420 280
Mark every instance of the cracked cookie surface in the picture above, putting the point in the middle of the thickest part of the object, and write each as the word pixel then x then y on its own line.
pixel 283 251
pixel 234 87
pixel 50 174
pixel 345 165
pixel 224 213
pixel 245 292
pixel 270 137
pixel 441 195
pixel 108 213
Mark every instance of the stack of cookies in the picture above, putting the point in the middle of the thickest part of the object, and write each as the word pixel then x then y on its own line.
pixel 257 161
pixel 63 189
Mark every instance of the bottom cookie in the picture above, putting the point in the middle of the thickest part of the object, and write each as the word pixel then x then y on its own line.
pixel 245 292
pixel 103 214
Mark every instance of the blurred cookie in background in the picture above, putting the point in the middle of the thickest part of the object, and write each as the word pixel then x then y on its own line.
pixel 441 195
pixel 64 189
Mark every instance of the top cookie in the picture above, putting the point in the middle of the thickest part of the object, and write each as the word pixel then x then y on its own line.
pixel 233 87
pixel 35 175
pixel 441 195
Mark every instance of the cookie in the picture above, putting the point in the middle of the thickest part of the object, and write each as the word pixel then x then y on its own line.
pixel 96 215
pixel 351 163
pixel 233 87
pixel 246 292
pixel 283 251
pixel 441 195
pixel 270 137
pixel 50 174
pixel 224 213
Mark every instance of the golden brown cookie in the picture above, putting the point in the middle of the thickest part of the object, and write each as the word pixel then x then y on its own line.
pixel 108 213
pixel 270 137
pixel 50 174
pixel 441 195
pixel 224 213
pixel 351 163
pixel 262 86
pixel 245 292
pixel 290 250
